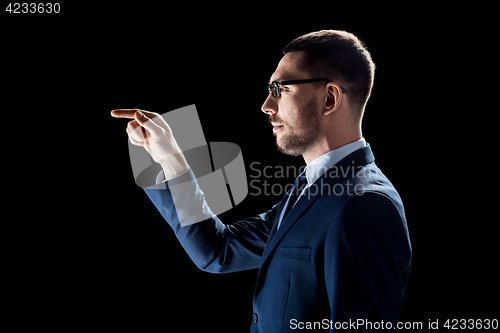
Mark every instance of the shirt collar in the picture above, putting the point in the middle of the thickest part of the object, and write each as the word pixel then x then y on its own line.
pixel 321 164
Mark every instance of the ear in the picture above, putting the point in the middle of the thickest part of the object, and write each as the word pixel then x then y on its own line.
pixel 333 98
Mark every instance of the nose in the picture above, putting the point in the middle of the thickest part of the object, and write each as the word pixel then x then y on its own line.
pixel 270 106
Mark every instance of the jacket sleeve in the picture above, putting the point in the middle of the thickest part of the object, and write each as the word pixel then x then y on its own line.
pixel 367 262
pixel 213 246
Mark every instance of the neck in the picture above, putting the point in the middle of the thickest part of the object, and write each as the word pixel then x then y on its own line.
pixel 327 143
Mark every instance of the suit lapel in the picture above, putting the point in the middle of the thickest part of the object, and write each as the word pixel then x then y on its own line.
pixel 277 234
pixel 334 175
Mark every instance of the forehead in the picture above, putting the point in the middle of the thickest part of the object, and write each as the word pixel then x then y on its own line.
pixel 288 68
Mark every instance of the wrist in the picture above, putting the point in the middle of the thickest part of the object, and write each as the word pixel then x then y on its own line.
pixel 174 165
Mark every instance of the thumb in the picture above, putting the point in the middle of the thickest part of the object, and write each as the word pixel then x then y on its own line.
pixel 147 123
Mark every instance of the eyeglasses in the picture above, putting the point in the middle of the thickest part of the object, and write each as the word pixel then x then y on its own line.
pixel 275 86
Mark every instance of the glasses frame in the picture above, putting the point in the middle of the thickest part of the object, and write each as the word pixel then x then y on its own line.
pixel 274 87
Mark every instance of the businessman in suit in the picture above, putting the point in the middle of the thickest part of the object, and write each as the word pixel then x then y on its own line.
pixel 334 253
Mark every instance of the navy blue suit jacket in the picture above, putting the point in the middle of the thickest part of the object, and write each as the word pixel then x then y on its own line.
pixel 343 252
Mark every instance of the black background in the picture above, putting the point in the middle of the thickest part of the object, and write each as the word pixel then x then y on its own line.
pixel 87 247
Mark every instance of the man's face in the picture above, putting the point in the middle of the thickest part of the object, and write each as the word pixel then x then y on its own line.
pixel 294 114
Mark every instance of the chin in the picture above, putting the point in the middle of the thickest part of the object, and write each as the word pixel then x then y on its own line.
pixel 286 149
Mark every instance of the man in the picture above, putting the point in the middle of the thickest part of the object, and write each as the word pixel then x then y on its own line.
pixel 334 253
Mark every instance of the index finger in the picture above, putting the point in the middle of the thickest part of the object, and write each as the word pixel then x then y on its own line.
pixel 129 113
pixel 124 113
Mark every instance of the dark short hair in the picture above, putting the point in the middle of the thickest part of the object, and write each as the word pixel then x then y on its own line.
pixel 341 57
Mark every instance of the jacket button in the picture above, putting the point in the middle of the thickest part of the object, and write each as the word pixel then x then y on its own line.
pixel 254 318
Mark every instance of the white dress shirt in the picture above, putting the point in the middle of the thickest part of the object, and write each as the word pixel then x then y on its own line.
pixel 321 164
